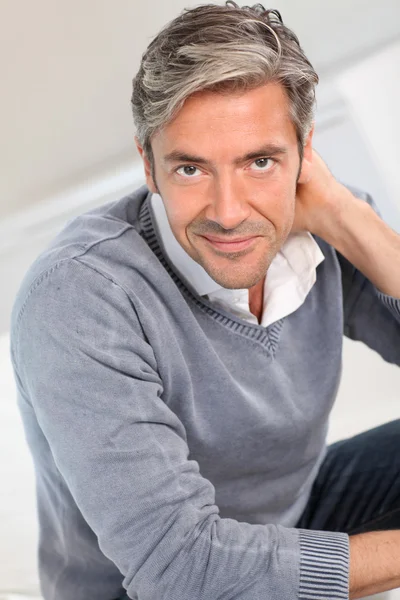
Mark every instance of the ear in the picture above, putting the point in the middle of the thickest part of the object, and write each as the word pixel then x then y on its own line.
pixel 306 166
pixel 147 168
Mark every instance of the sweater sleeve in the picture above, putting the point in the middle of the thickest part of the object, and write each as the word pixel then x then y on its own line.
pixel 370 316
pixel 92 378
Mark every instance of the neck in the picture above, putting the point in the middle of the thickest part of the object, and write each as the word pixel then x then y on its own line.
pixel 256 299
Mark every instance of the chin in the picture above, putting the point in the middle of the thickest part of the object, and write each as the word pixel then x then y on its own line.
pixel 242 279
pixel 236 272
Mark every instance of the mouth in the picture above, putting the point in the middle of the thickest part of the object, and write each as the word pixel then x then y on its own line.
pixel 231 245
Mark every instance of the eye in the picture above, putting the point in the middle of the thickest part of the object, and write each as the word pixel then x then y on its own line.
pixel 188 171
pixel 263 164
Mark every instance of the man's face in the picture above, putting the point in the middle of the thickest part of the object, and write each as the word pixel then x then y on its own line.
pixel 226 168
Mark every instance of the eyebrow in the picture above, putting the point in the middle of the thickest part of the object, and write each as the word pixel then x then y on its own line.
pixel 267 150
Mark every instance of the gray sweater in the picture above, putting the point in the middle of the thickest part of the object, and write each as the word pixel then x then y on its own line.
pixel 175 444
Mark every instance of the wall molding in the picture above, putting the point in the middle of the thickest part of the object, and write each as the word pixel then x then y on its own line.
pixel 47 217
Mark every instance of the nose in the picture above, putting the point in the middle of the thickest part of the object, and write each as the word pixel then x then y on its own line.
pixel 227 203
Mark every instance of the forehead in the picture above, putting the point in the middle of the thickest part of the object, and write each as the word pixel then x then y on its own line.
pixel 217 123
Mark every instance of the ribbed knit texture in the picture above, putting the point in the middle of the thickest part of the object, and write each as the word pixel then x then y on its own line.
pixel 175 445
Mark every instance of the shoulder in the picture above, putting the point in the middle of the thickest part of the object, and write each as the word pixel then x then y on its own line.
pixel 96 247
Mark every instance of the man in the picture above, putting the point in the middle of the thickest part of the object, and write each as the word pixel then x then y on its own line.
pixel 177 353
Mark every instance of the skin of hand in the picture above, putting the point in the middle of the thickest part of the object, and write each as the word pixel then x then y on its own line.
pixel 328 209
pixel 316 198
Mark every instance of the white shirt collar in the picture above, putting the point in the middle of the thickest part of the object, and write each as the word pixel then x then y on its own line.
pixel 291 274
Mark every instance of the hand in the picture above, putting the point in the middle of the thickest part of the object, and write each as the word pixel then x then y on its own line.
pixel 349 224
pixel 316 198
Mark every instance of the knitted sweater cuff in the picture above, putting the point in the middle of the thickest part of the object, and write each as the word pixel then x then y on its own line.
pixel 324 565
pixel 393 304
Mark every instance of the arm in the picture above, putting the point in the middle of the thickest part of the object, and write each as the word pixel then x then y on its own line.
pixel 367 242
pixel 93 381
pixel 369 255
pixel 328 209
pixel 374 563
pixel 371 292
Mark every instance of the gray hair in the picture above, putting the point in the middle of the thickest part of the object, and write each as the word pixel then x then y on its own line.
pixel 221 48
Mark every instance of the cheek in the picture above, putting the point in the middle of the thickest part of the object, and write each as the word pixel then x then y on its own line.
pixel 277 204
pixel 185 207
pixel 288 213
pixel 179 218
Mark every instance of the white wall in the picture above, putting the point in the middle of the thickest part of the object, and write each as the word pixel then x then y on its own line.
pixel 372 92
pixel 66 70
pixel 358 134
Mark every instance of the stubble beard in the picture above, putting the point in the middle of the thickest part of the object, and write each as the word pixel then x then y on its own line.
pixel 237 274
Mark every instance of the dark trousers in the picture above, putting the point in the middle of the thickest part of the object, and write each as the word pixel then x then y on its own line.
pixel 357 488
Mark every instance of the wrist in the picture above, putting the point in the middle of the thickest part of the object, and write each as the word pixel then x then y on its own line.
pixel 339 211
pixel 374 562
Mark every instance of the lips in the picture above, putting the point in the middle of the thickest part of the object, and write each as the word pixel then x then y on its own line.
pixel 230 245
pixel 227 241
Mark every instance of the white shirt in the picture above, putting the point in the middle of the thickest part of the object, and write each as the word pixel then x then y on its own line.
pixel 291 274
